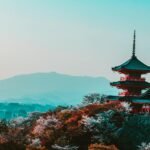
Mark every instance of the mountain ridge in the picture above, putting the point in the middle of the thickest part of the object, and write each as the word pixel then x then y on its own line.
pixel 52 87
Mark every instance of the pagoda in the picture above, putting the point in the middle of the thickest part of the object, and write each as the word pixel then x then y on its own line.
pixel 132 83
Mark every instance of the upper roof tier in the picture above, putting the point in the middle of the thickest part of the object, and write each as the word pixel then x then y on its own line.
pixel 133 64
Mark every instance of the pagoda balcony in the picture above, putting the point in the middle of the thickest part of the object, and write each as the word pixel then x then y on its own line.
pixel 130 84
pixel 126 93
pixel 127 78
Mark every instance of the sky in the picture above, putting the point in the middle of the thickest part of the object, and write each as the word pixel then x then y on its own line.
pixel 76 37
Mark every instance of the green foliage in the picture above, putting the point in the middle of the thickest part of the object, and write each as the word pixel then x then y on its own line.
pixel 3 126
pixel 93 98
pixel 78 127
pixel 134 131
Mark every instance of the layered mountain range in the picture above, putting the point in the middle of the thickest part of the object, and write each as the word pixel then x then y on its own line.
pixel 52 88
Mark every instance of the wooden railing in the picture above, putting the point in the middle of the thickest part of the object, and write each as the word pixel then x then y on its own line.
pixel 146 108
pixel 126 93
pixel 131 79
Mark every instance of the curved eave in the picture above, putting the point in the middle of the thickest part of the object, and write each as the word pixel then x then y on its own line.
pixel 127 70
pixel 133 64
pixel 141 101
pixel 131 84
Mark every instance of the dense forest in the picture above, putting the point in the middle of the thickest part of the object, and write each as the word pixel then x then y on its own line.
pixel 93 125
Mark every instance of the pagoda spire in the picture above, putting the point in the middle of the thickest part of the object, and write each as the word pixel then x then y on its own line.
pixel 134 40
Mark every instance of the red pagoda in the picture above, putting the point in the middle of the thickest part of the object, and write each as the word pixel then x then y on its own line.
pixel 132 83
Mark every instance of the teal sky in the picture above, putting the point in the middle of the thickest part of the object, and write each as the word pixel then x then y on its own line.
pixel 78 37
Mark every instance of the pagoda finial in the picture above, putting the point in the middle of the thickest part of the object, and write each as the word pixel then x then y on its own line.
pixel 134 38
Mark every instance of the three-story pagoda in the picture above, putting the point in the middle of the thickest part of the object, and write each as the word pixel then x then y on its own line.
pixel 132 83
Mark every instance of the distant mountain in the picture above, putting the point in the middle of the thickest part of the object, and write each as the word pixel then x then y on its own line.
pixel 12 110
pixel 51 88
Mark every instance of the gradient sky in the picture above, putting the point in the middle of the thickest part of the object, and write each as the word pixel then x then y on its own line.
pixel 77 37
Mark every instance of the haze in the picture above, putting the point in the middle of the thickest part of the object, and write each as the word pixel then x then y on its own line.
pixel 77 37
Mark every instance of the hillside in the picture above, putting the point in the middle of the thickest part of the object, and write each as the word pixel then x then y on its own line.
pixel 51 88
pixel 94 126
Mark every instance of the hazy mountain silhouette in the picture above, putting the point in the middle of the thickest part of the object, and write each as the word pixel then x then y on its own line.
pixel 51 88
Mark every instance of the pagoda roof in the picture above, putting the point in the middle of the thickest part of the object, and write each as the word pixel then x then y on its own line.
pixel 112 97
pixel 133 64
pixel 131 83
pixel 145 101
pixel 140 100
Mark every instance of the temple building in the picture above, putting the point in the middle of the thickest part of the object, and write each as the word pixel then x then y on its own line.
pixel 132 83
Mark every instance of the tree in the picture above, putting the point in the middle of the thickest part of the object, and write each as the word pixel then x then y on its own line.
pixel 101 126
pixel 144 146
pixel 93 98
pixel 3 126
pixel 135 130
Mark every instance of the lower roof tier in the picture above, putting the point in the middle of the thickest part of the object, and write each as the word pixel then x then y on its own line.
pixel 141 101
pixel 130 99
pixel 127 71
pixel 128 84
